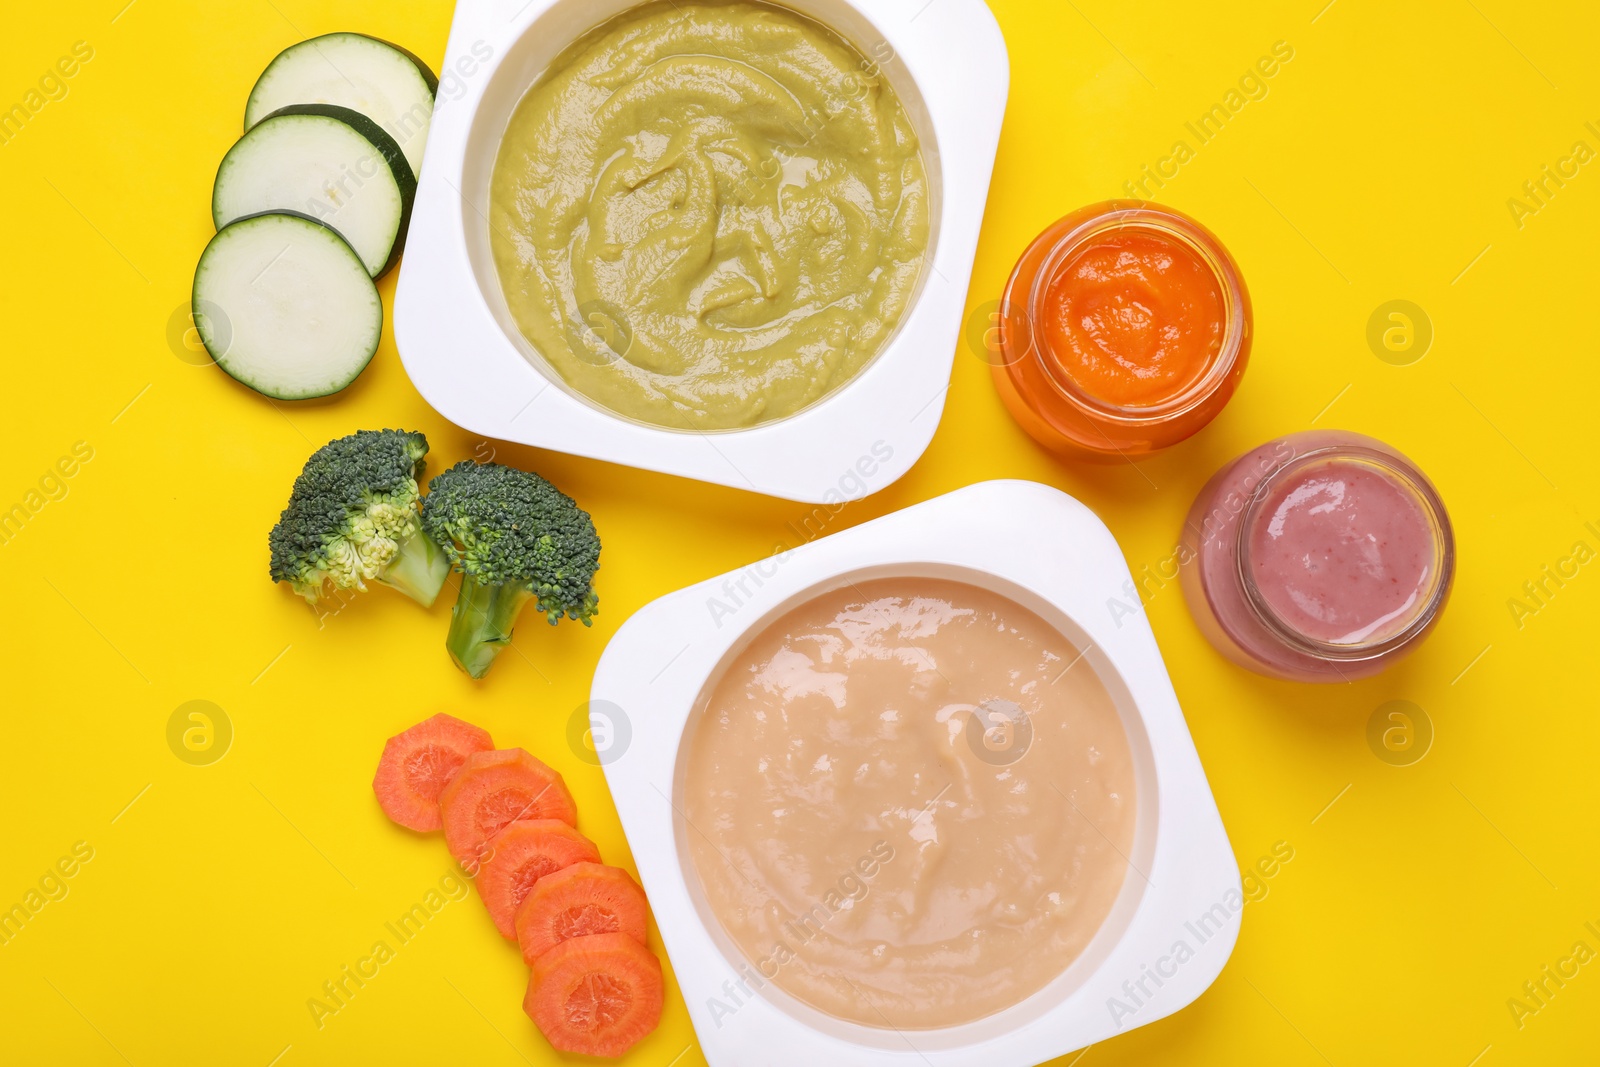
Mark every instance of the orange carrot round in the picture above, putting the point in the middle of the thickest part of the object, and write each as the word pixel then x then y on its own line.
pixel 525 854
pixel 495 789
pixel 597 995
pixel 578 901
pixel 418 763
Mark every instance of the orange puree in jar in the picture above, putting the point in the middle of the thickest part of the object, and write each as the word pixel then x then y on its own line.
pixel 1125 328
pixel 1134 318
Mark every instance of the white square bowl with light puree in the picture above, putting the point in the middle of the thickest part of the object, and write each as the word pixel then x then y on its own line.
pixel 1047 552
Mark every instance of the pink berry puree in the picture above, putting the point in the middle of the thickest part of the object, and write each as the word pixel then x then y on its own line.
pixel 1321 556
pixel 1342 553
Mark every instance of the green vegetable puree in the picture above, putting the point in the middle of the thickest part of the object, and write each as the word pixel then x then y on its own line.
pixel 708 216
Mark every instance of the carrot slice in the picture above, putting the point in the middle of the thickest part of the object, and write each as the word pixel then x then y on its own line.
pixel 597 995
pixel 580 900
pixel 523 855
pixel 418 763
pixel 495 789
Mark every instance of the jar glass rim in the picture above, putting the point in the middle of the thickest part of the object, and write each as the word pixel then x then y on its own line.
pixel 1410 479
pixel 1133 215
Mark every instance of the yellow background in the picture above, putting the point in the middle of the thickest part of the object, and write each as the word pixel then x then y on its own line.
pixel 1377 167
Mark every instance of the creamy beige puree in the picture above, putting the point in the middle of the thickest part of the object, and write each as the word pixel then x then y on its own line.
pixel 869 850
pixel 707 216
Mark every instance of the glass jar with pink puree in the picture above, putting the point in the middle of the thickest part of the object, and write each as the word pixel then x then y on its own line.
pixel 1322 556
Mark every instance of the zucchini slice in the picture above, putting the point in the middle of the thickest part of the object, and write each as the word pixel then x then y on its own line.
pixel 285 306
pixel 383 81
pixel 329 162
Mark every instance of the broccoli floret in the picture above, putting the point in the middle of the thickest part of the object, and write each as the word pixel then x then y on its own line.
pixel 354 516
pixel 514 537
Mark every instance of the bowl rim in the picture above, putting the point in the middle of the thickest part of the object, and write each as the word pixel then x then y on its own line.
pixel 858 439
pixel 1059 553
pixel 1146 786
pixel 909 96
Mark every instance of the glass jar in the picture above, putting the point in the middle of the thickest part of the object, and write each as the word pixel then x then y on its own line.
pixel 1323 556
pixel 1038 383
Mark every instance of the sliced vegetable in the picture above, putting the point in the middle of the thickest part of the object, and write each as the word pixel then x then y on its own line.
pixel 285 305
pixel 328 162
pixel 495 789
pixel 597 995
pixel 381 80
pixel 579 900
pixel 523 855
pixel 418 763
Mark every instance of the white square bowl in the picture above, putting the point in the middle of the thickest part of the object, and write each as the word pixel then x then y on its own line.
pixel 1049 553
pixel 467 358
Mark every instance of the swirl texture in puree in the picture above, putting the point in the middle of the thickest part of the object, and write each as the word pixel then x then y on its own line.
pixel 707 216
pixel 874 853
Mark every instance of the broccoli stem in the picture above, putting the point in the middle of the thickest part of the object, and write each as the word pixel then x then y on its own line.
pixel 481 622
pixel 418 569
